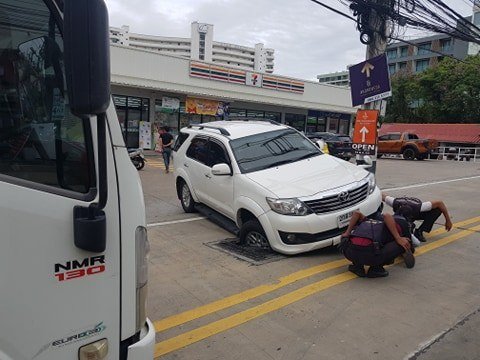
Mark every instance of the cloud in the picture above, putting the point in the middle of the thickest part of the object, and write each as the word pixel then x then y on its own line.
pixel 308 39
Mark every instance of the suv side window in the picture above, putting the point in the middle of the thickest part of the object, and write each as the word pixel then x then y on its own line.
pixel 384 137
pixel 395 136
pixel 217 154
pixel 198 150
pixel 41 141
pixel 180 140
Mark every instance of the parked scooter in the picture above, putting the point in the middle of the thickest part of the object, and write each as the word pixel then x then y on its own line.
pixel 137 157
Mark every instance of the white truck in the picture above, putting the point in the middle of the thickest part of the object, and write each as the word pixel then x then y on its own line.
pixel 73 257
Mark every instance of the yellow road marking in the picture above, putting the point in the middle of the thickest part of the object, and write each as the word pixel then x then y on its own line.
pixel 249 294
pixel 196 313
pixel 216 327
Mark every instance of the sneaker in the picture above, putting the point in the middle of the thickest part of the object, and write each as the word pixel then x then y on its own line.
pixel 376 271
pixel 419 235
pixel 357 270
pixel 409 259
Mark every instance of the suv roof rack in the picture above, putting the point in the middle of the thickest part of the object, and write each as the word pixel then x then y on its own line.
pixel 201 127
pixel 253 119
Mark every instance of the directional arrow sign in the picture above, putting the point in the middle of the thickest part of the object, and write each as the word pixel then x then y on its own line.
pixel 364 131
pixel 367 68
pixel 369 80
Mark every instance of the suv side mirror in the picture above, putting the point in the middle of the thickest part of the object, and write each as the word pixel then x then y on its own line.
pixel 87 56
pixel 221 170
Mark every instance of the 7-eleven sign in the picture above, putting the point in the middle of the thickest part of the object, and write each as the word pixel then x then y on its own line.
pixel 253 79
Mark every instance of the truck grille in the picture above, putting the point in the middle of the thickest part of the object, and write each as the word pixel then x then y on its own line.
pixel 339 201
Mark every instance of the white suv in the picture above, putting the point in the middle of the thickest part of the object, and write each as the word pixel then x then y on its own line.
pixel 272 181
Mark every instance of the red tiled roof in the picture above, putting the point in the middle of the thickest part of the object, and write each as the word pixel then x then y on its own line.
pixel 455 133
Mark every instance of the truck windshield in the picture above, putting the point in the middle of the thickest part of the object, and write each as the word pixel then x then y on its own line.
pixel 270 149
pixel 40 140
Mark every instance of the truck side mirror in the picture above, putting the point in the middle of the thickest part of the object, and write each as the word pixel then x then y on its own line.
pixel 87 69
pixel 87 56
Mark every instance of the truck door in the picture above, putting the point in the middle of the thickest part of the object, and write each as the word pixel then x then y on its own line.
pixel 54 297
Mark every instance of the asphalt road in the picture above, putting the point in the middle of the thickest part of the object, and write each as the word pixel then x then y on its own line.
pixel 208 304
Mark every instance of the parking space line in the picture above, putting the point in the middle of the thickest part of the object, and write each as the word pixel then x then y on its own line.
pixel 213 328
pixel 176 221
pixel 431 183
pixel 235 299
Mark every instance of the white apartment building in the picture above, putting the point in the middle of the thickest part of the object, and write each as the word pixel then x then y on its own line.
pixel 339 78
pixel 200 46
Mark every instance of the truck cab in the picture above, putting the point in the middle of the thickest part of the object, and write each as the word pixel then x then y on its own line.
pixel 73 258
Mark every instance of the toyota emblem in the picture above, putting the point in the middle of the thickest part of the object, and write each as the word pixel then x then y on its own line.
pixel 343 196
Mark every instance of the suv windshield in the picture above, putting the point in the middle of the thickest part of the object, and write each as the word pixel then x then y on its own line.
pixel 266 150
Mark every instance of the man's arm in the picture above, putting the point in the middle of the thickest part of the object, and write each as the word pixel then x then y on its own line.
pixel 438 204
pixel 354 220
pixel 388 199
pixel 392 227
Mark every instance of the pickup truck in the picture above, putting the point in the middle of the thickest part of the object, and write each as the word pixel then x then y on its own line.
pixel 407 144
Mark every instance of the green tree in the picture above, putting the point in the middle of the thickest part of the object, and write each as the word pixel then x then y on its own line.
pixel 446 93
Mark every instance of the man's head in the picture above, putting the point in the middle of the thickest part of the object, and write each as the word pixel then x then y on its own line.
pixel 165 128
pixel 404 210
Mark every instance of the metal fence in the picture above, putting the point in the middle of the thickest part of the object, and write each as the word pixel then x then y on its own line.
pixel 456 153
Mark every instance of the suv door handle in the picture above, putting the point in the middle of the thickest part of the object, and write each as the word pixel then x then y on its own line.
pixel 208 176
pixel 186 165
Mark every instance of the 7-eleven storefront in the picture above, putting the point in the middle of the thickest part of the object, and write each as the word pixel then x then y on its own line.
pixel 152 90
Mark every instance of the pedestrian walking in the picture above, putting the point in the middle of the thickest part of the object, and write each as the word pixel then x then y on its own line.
pixel 167 143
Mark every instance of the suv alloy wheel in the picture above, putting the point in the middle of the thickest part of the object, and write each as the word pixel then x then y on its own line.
pixel 252 234
pixel 188 204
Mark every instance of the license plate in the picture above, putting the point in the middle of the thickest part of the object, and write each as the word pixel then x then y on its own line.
pixel 342 220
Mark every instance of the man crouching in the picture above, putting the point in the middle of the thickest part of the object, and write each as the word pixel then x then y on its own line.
pixel 376 243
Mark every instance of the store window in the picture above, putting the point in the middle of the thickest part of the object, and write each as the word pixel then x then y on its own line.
pixel 297 121
pixel 333 125
pixel 255 114
pixel 275 116
pixel 165 116
pixel 130 111
pixel 234 113
pixel 344 127
pixel 315 124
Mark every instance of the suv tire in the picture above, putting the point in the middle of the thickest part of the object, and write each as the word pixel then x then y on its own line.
pixel 188 204
pixel 252 234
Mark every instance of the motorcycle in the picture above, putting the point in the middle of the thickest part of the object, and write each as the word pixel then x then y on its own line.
pixel 137 157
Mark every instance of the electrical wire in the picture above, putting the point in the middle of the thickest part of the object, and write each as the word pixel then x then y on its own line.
pixel 391 36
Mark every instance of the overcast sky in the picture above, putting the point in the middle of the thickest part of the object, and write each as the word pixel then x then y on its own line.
pixel 308 39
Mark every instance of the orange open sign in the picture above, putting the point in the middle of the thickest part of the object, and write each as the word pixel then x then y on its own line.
pixel 365 130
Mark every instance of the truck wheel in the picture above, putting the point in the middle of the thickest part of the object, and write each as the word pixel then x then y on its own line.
pixel 379 156
pixel 409 153
pixel 252 234
pixel 188 204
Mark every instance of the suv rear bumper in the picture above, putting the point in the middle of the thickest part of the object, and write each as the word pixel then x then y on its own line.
pixel 312 226
pixel 143 349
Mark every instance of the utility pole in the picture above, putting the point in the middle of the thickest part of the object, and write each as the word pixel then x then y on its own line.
pixel 377 47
